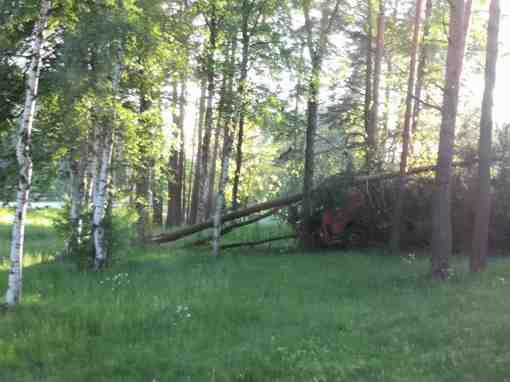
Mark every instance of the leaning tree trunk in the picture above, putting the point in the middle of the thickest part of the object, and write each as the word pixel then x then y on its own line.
pixel 101 192
pixel 481 233
pixel 406 134
pixel 441 214
pixel 24 157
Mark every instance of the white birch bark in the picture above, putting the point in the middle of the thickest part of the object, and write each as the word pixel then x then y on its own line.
pixel 78 168
pixel 101 186
pixel 23 154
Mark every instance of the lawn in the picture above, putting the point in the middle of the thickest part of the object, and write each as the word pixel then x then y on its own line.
pixel 273 314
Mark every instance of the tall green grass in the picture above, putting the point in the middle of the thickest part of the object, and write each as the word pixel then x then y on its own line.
pixel 176 314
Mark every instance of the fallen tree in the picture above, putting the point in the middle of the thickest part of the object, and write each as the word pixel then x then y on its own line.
pixel 288 201
pixel 258 242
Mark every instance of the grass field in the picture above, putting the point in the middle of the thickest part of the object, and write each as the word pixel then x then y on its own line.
pixel 170 314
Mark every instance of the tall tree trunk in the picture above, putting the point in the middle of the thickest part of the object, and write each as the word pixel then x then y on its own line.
pixel 176 164
pixel 78 167
pixel 228 127
pixel 441 214
pixel 424 57
pixel 372 133
pixel 369 69
pixel 311 131
pixel 406 134
pixel 101 193
pixel 481 232
pixel 195 192
pixel 214 159
pixel 246 37
pixel 204 160
pixel 24 157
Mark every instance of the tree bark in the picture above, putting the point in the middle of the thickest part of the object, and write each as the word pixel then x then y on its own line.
pixel 245 55
pixel 195 192
pixel 24 157
pixel 406 134
pixel 372 134
pixel 228 132
pixel 424 57
pixel 78 167
pixel 176 162
pixel 101 193
pixel 441 214
pixel 478 259
pixel 204 160
pixel 369 69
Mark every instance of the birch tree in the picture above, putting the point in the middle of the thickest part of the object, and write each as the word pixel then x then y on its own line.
pixel 23 155
pixel 101 185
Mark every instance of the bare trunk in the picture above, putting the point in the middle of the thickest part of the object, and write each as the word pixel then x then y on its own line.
pixel 481 232
pixel 195 192
pixel 441 215
pixel 101 193
pixel 369 68
pixel 24 157
pixel 424 57
pixel 406 134
pixel 176 164
pixel 228 127
pixel 78 167
pixel 242 112
pixel 204 161
pixel 372 134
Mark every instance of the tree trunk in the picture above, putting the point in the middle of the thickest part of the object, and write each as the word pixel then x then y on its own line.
pixel 204 160
pixel 195 192
pixel 228 127
pixel 369 69
pixel 481 230
pixel 242 111
pixel 424 57
pixel 406 134
pixel 311 131
pixel 372 133
pixel 176 161
pixel 441 215
pixel 101 193
pixel 78 166
pixel 24 157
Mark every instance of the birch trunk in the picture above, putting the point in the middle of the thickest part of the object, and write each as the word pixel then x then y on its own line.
pixel 101 193
pixel 478 260
pixel 406 134
pixel 23 154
